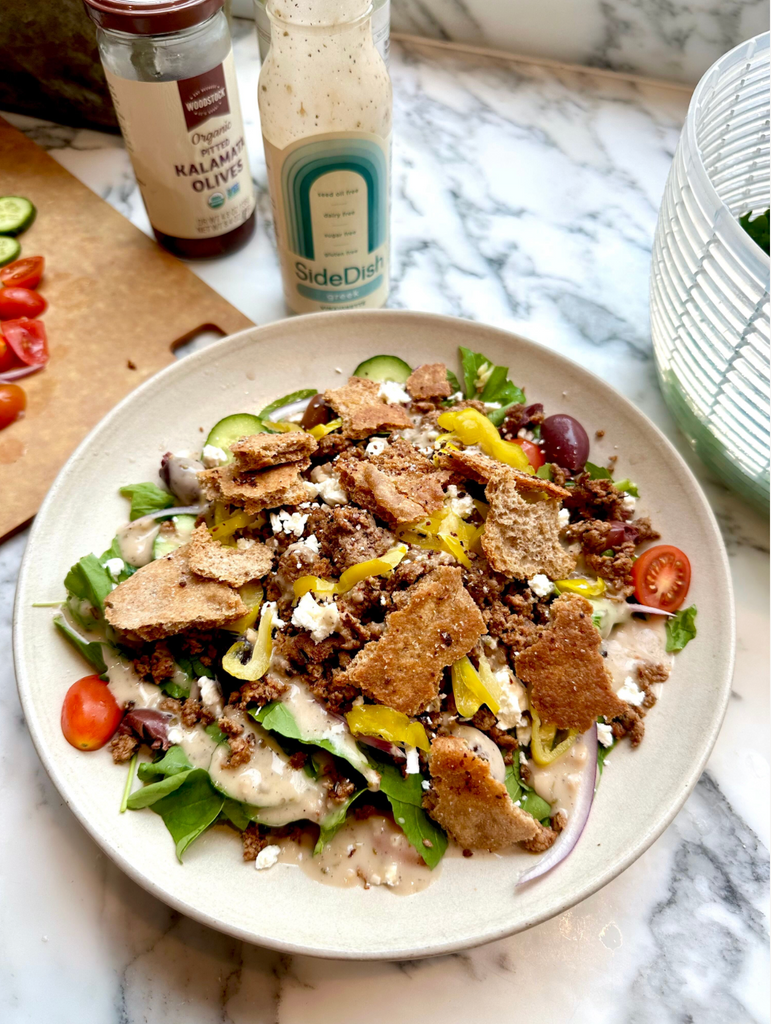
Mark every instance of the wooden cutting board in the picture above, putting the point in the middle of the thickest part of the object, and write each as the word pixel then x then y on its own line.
pixel 117 307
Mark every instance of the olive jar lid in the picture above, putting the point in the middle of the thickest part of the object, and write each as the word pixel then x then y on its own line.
pixel 150 17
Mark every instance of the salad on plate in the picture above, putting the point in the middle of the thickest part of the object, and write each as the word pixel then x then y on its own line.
pixel 368 627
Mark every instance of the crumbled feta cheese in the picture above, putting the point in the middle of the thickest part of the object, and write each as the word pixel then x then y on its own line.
pixel 605 734
pixel 392 392
pixel 321 620
pixel 211 695
pixel 524 734
pixel 267 857
pixel 376 446
pixel 462 505
pixel 629 502
pixel 115 567
pixel 312 542
pixel 244 543
pixel 175 735
pixel 631 692
pixel 328 486
pixel 512 700
pixel 413 761
pixel 212 456
pixel 526 434
pixel 541 585
pixel 391 874
pixel 425 784
pixel 492 405
pixel 278 623
pixel 563 517
pixel 457 397
pixel 288 522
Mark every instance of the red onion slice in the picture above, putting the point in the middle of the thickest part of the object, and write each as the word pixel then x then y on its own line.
pixel 23 371
pixel 388 748
pixel 567 839
pixel 286 411
pixel 647 610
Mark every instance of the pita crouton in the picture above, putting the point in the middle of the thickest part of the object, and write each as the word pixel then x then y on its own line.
pixel 362 411
pixel 521 537
pixel 429 381
pixel 248 561
pixel 565 671
pixel 469 803
pixel 268 488
pixel 438 624
pixel 400 485
pixel 260 451
pixel 470 465
pixel 166 596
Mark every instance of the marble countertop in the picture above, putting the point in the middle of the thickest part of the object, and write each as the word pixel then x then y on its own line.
pixel 526 197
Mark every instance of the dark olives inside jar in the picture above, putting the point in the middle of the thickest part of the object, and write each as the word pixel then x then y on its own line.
pixel 316 412
pixel 565 442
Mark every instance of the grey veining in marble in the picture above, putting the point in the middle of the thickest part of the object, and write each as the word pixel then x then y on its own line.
pixel 527 198
pixel 670 39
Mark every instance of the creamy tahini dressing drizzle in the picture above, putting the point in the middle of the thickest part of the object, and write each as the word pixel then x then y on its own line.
pixel 135 541
pixel 559 783
pixel 634 644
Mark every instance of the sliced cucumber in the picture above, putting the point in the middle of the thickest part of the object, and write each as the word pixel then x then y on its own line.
pixel 173 534
pixel 9 250
pixel 229 430
pixel 16 214
pixel 382 368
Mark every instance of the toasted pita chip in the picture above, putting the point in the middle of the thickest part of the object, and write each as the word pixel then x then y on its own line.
pixel 429 381
pixel 469 803
pixel 234 566
pixel 166 596
pixel 400 484
pixel 260 451
pixel 569 685
pixel 268 488
pixel 362 410
pixel 521 537
pixel 470 465
pixel 438 624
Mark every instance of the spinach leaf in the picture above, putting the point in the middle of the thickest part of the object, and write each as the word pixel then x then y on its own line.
pixel 276 717
pixel 681 628
pixel 150 795
pixel 189 809
pixel 333 822
pixel 628 487
pixel 146 498
pixel 544 472
pixel 295 396
pixel 405 795
pixel 602 753
pixel 496 387
pixel 597 472
pixel 454 382
pixel 173 762
pixel 88 580
pixel 172 689
pixel 192 667
pixel 114 551
pixel 214 732
pixel 238 814
pixel 759 228
pixel 91 651
pixel 528 799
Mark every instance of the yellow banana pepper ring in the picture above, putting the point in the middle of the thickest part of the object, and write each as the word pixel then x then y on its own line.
pixel 586 588
pixel 259 660
pixel 251 595
pixel 542 739
pixel 472 427
pixel 361 571
pixel 469 691
pixel 388 724
pixel 322 429
pixel 443 531
pixel 228 527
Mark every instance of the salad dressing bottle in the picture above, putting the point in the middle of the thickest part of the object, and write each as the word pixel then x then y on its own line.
pixel 325 106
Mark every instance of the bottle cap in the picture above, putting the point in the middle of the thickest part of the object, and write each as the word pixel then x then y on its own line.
pixel 150 17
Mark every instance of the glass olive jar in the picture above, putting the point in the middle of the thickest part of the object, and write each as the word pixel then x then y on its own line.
pixel 169 67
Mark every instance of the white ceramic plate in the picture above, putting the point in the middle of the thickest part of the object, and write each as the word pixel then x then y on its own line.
pixel 474 900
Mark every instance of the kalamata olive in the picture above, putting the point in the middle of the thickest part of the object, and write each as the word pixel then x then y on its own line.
pixel 316 412
pixel 620 532
pixel 148 725
pixel 565 441
pixel 180 474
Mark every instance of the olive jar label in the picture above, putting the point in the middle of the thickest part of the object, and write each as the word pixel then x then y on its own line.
pixel 187 147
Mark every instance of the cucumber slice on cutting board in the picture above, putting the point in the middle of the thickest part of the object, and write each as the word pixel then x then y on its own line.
pixel 173 534
pixel 231 428
pixel 382 368
pixel 16 214
pixel 9 250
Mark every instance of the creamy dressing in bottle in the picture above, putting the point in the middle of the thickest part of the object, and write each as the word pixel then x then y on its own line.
pixel 325 107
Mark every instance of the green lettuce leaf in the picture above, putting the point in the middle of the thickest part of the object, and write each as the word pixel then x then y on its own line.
pixel 114 551
pixel 238 814
pixel 681 628
pixel 628 487
pixel 497 387
pixel 529 800
pixel 597 472
pixel 602 753
pixel 334 821
pixel 544 471
pixel 190 809
pixel 146 498
pixel 88 580
pixel 91 650
pixel 294 396
pixel 173 762
pixel 405 795
pixel 454 382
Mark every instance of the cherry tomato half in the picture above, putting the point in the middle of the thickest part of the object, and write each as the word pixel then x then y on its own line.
pixel 28 340
pixel 661 577
pixel 90 714
pixel 24 273
pixel 18 302
pixel 533 452
pixel 7 356
pixel 13 402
